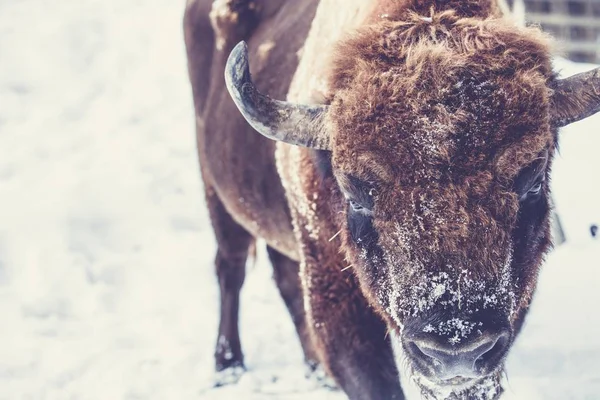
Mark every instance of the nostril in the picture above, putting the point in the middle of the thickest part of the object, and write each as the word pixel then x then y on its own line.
pixel 422 355
pixel 469 359
pixel 427 358
pixel 494 354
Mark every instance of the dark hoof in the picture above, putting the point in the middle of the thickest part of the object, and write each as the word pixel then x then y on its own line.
pixel 229 361
pixel 229 375
pixel 316 374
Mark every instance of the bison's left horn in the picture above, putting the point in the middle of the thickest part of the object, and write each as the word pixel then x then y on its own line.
pixel 575 98
pixel 296 124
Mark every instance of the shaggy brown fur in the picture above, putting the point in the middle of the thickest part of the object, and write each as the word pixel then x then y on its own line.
pixel 453 110
pixel 440 128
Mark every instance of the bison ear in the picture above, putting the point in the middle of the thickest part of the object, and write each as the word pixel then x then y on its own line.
pixel 296 124
pixel 575 98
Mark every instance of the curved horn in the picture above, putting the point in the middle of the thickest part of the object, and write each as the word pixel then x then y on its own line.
pixel 575 98
pixel 296 124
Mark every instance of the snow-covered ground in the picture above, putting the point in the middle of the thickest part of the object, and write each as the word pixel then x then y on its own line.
pixel 107 288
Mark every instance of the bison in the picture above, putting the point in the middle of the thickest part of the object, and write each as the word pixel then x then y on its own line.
pixel 402 189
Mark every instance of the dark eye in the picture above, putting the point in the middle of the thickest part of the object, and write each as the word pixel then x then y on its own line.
pixel 534 192
pixel 535 189
pixel 355 206
pixel 359 208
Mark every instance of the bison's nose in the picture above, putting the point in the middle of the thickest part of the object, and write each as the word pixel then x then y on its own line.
pixel 467 358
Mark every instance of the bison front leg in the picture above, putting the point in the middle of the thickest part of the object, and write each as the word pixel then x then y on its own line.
pixel 233 243
pixel 351 339
pixel 287 277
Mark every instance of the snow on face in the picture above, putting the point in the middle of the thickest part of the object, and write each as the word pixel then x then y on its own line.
pixel 414 273
pixel 412 291
pixel 486 389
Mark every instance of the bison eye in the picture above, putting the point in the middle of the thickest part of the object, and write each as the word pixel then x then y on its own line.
pixel 359 208
pixel 535 189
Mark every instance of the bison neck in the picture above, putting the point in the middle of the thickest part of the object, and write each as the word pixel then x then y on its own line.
pixel 336 19
pixel 466 8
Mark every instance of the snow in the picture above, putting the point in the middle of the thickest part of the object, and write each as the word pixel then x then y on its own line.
pixel 107 287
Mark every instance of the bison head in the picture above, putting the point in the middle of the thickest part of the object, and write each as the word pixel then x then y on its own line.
pixel 440 133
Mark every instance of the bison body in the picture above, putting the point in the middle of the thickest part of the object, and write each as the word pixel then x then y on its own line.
pixel 405 204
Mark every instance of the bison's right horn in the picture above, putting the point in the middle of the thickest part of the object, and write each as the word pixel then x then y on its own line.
pixel 296 124
pixel 576 98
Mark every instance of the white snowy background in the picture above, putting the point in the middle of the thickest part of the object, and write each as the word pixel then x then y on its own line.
pixel 107 287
